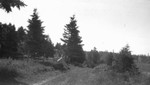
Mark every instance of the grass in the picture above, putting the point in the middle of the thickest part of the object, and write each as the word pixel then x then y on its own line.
pixel 144 67
pixel 27 72
pixel 24 71
pixel 108 77
pixel 100 75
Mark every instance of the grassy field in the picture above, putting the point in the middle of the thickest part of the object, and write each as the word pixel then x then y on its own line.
pixel 24 72
pixel 35 72
pixel 97 76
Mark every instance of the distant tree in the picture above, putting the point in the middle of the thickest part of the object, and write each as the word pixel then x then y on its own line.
pixel 108 59
pixel 8 41
pixel 7 4
pixel 72 40
pixel 125 62
pixel 48 48
pixel 2 36
pixel 36 41
pixel 21 36
pixel 96 56
pixel 93 58
pixel 58 46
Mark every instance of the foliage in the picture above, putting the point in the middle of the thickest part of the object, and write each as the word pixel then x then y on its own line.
pixel 108 59
pixel 36 41
pixel 72 41
pixel 92 58
pixel 21 35
pixel 8 40
pixel 142 58
pixel 58 46
pixel 125 62
pixel 104 75
pixel 48 48
pixel 8 74
pixel 7 4
pixel 26 69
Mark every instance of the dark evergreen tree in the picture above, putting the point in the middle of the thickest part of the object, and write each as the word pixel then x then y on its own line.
pixel 108 59
pixel 35 35
pixel 8 41
pixel 58 46
pixel 2 38
pixel 21 35
pixel 36 41
pixel 93 58
pixel 72 42
pixel 48 48
pixel 7 4
pixel 5 51
pixel 96 56
pixel 125 62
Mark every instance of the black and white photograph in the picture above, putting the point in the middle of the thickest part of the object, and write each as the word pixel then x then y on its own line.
pixel 74 42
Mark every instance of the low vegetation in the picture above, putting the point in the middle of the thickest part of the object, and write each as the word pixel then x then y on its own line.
pixel 105 76
pixel 29 71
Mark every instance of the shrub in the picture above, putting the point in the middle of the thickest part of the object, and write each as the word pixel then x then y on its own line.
pixel 124 62
pixel 104 75
pixel 7 74
pixel 108 58
pixel 92 58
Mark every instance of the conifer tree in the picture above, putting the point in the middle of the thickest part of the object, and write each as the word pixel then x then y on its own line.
pixel 125 62
pixel 21 35
pixel 35 35
pixel 48 47
pixel 35 38
pixel 8 41
pixel 72 42
pixel 93 58
pixel 7 4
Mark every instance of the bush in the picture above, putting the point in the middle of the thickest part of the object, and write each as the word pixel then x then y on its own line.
pixel 59 66
pixel 23 67
pixel 7 74
pixel 124 62
pixel 92 58
pixel 104 75
pixel 108 58
pixel 7 71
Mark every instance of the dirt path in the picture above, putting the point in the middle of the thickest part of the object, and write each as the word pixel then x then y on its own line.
pixel 45 81
pixel 77 76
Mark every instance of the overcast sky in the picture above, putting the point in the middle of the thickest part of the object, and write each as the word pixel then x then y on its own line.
pixel 104 24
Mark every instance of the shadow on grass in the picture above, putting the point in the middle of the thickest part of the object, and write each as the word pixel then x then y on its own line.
pixel 8 77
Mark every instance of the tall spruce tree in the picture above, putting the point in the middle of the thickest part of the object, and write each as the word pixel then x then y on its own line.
pixel 35 35
pixel 36 40
pixel 72 42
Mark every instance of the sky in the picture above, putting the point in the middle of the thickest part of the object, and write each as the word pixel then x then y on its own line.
pixel 107 25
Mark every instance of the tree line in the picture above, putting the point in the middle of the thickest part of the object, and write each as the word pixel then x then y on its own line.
pixel 33 43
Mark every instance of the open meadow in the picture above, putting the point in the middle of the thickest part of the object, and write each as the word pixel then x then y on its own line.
pixel 32 72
